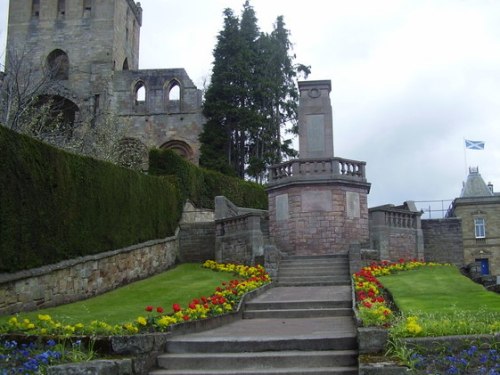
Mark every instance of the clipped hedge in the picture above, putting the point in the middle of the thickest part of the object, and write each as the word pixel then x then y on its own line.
pixel 55 205
pixel 201 186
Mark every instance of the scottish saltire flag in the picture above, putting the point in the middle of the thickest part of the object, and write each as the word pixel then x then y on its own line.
pixel 474 145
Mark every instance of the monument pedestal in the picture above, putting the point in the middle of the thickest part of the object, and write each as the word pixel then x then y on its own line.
pixel 318 213
pixel 317 203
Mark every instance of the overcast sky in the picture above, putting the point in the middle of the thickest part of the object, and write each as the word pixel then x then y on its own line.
pixel 410 79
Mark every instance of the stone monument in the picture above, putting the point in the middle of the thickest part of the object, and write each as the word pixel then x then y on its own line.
pixel 318 202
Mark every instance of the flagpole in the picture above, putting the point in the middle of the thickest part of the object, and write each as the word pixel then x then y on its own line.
pixel 465 158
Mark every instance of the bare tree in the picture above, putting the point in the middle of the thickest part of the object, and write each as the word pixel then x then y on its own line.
pixel 23 84
pixel 32 101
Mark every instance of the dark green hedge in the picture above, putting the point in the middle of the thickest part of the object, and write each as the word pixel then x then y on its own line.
pixel 201 186
pixel 55 205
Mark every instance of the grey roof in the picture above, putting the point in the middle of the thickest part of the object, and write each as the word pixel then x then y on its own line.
pixel 475 186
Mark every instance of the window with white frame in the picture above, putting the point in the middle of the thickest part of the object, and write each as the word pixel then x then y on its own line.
pixel 479 227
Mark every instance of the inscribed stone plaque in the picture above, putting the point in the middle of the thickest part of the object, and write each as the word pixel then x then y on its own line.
pixel 352 205
pixel 281 207
pixel 316 201
pixel 315 133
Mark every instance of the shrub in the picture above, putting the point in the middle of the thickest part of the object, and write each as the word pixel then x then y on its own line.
pixel 201 186
pixel 55 205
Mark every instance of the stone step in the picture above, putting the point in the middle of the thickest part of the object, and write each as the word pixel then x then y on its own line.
pixel 312 280
pixel 257 361
pixel 229 344
pixel 313 272
pixel 309 304
pixel 314 262
pixel 296 313
pixel 351 370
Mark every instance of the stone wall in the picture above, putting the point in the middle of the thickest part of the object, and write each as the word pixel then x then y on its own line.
pixel 84 277
pixel 240 233
pixel 196 242
pixel 318 219
pixel 443 241
pixel 395 232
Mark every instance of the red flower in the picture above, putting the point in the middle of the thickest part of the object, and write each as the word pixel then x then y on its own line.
pixel 149 308
pixel 192 305
pixel 159 309
pixel 185 317
pixel 176 307
pixel 367 304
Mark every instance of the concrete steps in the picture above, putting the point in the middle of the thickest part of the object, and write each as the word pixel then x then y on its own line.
pixel 291 362
pixel 303 329
pixel 314 271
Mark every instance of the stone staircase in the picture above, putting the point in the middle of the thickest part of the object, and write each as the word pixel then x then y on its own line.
pixel 302 329
pixel 314 271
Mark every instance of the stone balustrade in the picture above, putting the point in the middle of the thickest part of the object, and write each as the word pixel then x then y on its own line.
pixel 329 168
pixel 401 219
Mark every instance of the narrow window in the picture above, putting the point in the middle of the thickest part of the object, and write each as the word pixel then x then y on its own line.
pixel 125 64
pixel 58 65
pixel 61 8
pixel 140 93
pixel 479 227
pixel 175 92
pixel 35 8
pixel 87 8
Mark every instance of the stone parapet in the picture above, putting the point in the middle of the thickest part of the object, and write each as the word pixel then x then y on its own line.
pixel 240 233
pixel 317 170
pixel 395 231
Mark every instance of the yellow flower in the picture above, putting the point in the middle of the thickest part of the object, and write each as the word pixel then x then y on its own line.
pixel 45 317
pixel 142 320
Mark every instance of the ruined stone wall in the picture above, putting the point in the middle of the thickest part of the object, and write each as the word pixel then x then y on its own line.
pixel 101 42
pixel 318 220
pixel 160 121
pixel 443 241
pixel 85 277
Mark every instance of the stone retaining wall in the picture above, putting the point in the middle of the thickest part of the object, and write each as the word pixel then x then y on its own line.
pixel 443 240
pixel 84 277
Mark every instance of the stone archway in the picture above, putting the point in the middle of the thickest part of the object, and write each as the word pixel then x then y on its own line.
pixel 182 148
pixel 131 153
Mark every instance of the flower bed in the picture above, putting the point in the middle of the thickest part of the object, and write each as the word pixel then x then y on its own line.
pixel 225 299
pixel 371 298
pixel 35 357
pixel 407 344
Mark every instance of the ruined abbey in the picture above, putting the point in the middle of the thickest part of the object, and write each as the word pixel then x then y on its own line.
pixel 90 48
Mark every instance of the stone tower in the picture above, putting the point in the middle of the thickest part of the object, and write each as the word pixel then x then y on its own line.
pixel 317 203
pixel 90 48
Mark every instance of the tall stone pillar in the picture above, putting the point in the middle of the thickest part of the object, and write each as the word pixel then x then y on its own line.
pixel 318 203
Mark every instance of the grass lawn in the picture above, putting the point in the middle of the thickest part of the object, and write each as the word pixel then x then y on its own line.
pixel 439 289
pixel 178 285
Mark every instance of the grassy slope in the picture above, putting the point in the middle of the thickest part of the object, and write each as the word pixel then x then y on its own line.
pixel 438 289
pixel 178 285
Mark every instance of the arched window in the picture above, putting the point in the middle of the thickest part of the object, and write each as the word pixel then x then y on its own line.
pixel 140 92
pixel 173 96
pixel 58 65
pixel 35 8
pixel 125 64
pixel 174 91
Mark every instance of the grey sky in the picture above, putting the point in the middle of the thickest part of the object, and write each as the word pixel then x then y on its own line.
pixel 410 79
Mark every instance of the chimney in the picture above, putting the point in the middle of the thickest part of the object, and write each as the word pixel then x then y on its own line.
pixel 490 186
